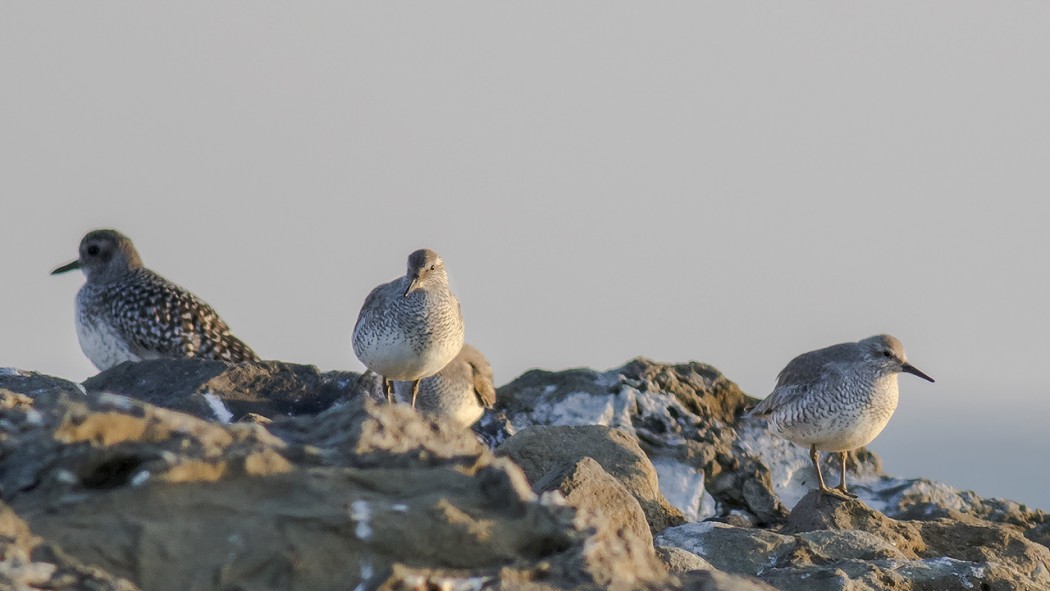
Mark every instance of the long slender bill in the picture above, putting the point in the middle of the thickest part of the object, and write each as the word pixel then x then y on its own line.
pixel 915 371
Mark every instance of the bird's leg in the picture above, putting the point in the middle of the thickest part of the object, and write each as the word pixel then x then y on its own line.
pixel 815 458
pixel 842 483
pixel 388 387
pixel 415 390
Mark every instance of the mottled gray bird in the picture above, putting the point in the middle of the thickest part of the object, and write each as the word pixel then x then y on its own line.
pixel 837 399
pixel 125 312
pixel 459 393
pixel 412 327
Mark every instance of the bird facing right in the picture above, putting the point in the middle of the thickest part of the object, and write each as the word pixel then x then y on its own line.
pixel 838 398
pixel 412 327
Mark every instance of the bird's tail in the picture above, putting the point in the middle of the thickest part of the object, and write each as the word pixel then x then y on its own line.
pixel 236 351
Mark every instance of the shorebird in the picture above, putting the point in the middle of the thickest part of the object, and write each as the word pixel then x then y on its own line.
pixel 126 312
pixel 837 399
pixel 460 392
pixel 411 327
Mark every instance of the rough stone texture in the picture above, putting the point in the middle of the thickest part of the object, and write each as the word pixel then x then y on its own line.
pixel 697 574
pixel 713 580
pixel 830 543
pixel 27 562
pixel 622 540
pixel 361 494
pixel 901 534
pixel 685 417
pixel 678 561
pixel 816 512
pixel 346 492
pixel 268 388
pixel 539 450
pixel 599 499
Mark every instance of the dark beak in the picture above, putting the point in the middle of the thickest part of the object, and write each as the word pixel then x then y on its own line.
pixel 411 285
pixel 66 267
pixel 915 371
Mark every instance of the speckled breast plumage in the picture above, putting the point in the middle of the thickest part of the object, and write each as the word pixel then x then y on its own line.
pixel 408 338
pixel 838 416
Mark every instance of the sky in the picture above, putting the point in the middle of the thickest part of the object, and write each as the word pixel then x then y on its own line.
pixel 734 183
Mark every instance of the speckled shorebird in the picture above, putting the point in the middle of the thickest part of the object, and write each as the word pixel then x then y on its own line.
pixel 459 393
pixel 125 312
pixel 837 399
pixel 412 327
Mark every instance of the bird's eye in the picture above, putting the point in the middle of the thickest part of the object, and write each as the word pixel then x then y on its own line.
pixel 92 250
pixel 432 267
pixel 887 353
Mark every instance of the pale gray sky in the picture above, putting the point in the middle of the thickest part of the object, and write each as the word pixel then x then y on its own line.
pixel 730 182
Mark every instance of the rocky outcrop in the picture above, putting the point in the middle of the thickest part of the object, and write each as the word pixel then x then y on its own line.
pixel 735 482
pixel 541 450
pixel 645 476
pixel 218 391
pixel 361 494
pixel 830 543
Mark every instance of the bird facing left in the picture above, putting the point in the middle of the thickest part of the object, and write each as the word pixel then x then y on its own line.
pixel 126 312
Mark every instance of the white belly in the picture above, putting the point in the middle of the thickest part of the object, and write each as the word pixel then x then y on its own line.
pixel 102 344
pixel 394 357
pixel 852 436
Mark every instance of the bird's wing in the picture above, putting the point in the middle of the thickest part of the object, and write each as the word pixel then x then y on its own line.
pixel 480 374
pixel 372 300
pixel 804 372
pixel 162 319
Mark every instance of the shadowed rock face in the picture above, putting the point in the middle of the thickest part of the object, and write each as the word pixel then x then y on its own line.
pixel 29 562
pixel 214 390
pixel 604 485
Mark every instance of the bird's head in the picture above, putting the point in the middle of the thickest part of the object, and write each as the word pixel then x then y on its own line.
pixel 887 353
pixel 425 268
pixel 105 255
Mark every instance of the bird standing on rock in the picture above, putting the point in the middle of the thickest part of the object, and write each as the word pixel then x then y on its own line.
pixel 460 392
pixel 838 398
pixel 125 312
pixel 412 327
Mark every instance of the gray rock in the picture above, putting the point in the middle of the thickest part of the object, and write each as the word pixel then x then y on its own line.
pixel 362 494
pixel 28 562
pixel 697 574
pixel 225 392
pixel 599 499
pixel 715 580
pixel 710 463
pixel 679 561
pixel 539 450
pixel 357 493
pixel 683 416
pixel 830 543
pixel 620 550
pixel 732 549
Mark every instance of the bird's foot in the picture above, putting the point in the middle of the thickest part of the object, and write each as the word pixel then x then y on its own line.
pixel 837 493
pixel 842 491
